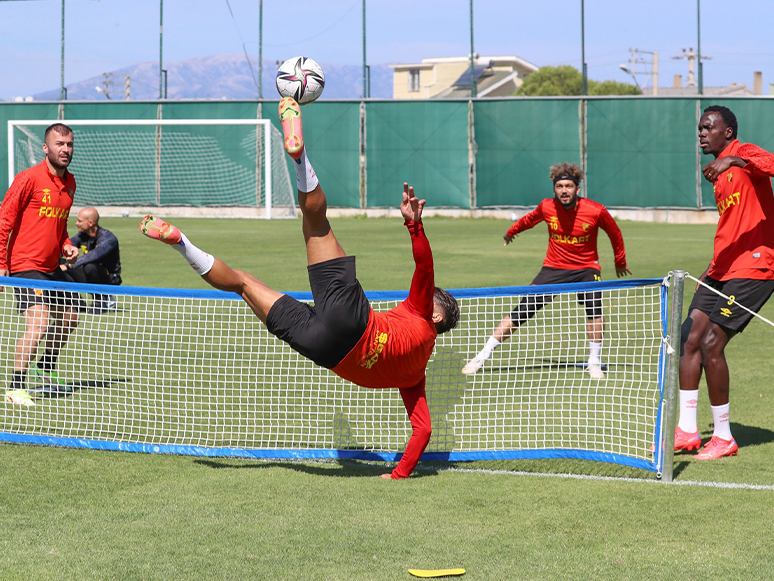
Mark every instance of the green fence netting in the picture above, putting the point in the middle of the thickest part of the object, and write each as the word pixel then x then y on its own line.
pixel 518 141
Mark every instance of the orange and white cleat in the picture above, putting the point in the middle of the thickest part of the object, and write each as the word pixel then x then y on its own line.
pixel 290 119
pixel 156 228
pixel 717 448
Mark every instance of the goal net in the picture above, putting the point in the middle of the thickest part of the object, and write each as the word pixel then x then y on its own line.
pixel 195 372
pixel 168 162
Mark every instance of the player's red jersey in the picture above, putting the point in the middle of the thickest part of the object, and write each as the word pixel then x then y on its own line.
pixel 744 240
pixel 572 234
pixel 395 348
pixel 34 213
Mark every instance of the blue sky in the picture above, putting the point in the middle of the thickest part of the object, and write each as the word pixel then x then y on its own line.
pixel 104 35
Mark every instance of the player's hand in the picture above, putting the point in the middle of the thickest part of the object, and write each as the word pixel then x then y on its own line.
pixel 4 272
pixel 411 206
pixel 508 239
pixel 619 272
pixel 716 167
pixel 70 253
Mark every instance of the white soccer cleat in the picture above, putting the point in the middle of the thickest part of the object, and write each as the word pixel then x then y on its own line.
pixel 473 365
pixel 595 371
pixel 19 397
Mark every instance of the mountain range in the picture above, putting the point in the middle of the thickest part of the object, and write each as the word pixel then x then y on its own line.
pixel 224 76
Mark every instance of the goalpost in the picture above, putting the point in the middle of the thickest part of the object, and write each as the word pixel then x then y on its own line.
pixel 168 162
pixel 195 372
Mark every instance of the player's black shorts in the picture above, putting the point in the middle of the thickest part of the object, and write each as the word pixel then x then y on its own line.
pixel 54 299
pixel 531 304
pixel 327 331
pixel 751 293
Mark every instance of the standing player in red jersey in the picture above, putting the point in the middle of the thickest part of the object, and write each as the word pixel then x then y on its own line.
pixel 341 332
pixel 742 268
pixel 573 224
pixel 34 214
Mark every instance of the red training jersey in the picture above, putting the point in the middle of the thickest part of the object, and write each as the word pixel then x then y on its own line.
pixel 395 348
pixel 744 240
pixel 34 214
pixel 572 234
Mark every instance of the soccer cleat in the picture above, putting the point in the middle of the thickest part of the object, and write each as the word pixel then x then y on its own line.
pixel 473 365
pixel 595 371
pixel 52 384
pixel 156 228
pixel 687 441
pixel 717 448
pixel 19 397
pixel 290 119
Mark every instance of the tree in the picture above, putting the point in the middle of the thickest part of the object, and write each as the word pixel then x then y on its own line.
pixel 566 80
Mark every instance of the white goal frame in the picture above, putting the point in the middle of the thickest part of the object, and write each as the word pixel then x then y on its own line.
pixel 267 181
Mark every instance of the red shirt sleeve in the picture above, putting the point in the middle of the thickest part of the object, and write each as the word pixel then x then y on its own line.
pixel 760 159
pixel 420 298
pixel 16 197
pixel 415 400
pixel 607 223
pixel 527 221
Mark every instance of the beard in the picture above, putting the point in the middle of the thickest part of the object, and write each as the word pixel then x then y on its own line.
pixel 57 163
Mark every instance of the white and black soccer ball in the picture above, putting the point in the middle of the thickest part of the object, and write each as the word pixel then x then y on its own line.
pixel 300 78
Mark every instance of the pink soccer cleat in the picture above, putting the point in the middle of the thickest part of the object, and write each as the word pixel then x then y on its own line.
pixel 290 118
pixel 717 448
pixel 156 228
pixel 686 440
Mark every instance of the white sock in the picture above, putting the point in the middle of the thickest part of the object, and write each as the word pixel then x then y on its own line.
pixel 689 403
pixel 306 179
pixel 595 350
pixel 199 260
pixel 489 348
pixel 720 416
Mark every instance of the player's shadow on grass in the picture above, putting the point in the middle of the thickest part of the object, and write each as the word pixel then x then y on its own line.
pixel 336 468
pixel 554 365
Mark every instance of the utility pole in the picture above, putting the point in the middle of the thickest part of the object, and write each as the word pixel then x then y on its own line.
pixel 365 66
pixel 62 90
pixel 260 49
pixel 161 48
pixel 698 46
pixel 636 59
pixel 473 87
pixel 584 70
pixel 692 57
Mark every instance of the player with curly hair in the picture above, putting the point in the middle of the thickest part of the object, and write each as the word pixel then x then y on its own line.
pixel 573 224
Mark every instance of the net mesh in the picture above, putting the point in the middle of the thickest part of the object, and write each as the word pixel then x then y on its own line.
pixel 168 165
pixel 202 371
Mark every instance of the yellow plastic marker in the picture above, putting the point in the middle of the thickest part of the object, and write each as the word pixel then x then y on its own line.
pixel 427 573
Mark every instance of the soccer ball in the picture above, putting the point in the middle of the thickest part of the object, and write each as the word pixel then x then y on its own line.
pixel 300 78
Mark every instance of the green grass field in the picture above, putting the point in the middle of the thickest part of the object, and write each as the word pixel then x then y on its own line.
pixel 80 514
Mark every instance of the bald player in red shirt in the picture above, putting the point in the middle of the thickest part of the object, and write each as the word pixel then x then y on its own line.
pixel 742 268
pixel 341 331
pixel 33 236
pixel 573 225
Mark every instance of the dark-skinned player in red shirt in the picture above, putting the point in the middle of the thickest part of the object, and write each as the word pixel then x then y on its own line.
pixel 573 224
pixel 742 268
pixel 33 236
pixel 341 331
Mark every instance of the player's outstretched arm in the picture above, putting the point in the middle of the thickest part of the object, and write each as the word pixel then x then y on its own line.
pixel 411 206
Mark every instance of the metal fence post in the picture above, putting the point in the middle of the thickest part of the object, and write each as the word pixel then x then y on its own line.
pixel 667 443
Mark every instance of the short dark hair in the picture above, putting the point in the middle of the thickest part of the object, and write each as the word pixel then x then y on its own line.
pixel 451 310
pixel 60 128
pixel 728 117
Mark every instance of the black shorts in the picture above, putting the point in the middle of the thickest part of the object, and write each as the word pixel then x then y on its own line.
pixel 751 293
pixel 54 299
pixel 327 331
pixel 531 304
